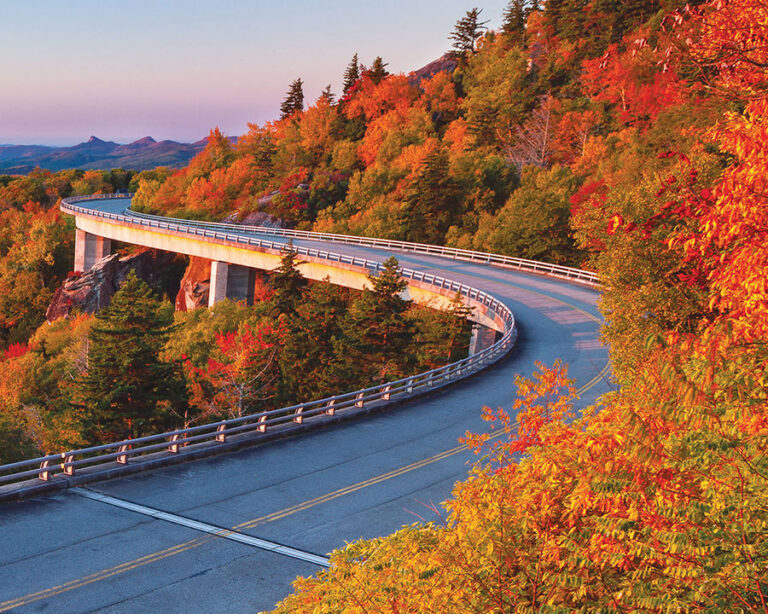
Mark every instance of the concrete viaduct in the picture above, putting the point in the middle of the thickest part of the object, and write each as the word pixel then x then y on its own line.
pixel 231 532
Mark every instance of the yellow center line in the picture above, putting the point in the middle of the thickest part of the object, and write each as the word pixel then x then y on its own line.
pixel 285 512
pixel 278 515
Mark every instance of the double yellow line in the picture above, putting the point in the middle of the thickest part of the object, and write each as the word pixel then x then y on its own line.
pixel 178 549
pixel 278 515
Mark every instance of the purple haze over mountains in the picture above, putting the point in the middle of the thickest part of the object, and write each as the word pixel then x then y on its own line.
pixel 143 154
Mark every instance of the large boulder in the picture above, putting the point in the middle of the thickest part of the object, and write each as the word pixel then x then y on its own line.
pixel 93 290
pixel 193 291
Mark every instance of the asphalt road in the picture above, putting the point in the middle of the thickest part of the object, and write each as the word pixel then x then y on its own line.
pixel 70 553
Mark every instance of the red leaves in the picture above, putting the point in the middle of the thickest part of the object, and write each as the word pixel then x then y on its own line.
pixel 238 374
pixel 15 350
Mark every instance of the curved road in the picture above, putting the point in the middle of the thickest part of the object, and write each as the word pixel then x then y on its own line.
pixel 69 552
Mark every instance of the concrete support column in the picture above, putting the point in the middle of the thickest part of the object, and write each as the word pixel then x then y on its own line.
pixel 218 289
pixel 240 283
pixel 89 249
pixel 482 338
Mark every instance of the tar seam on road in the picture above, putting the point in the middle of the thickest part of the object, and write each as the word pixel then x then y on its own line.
pixel 204 527
pixel 194 543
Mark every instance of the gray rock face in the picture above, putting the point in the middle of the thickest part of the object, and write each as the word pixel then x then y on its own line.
pixel 193 292
pixel 94 289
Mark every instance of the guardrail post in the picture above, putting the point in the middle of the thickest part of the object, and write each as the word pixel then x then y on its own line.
pixel 359 400
pixel 123 458
pixel 221 435
pixel 66 466
pixel 386 396
pixel 331 408
pixel 174 447
pixel 409 385
pixel 44 475
pixel 297 417
pixel 263 424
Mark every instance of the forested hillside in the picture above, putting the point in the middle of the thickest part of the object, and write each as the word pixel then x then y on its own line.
pixel 628 137
pixel 655 499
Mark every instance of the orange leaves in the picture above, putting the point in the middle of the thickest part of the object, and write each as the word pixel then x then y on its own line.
pixel 732 41
pixel 439 96
pixel 544 399
pixel 372 100
pixel 734 239
pixel 634 82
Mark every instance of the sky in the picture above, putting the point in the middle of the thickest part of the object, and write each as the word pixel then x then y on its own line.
pixel 174 69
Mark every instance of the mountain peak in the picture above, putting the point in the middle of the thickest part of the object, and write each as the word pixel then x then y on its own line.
pixel 147 140
pixel 94 140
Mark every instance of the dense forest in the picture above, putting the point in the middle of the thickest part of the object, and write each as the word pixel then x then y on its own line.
pixel 624 136
pixel 137 368
pixel 649 125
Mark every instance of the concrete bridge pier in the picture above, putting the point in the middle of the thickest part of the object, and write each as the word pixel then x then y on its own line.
pixel 89 249
pixel 231 281
pixel 482 338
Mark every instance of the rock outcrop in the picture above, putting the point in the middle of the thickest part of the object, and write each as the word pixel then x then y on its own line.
pixel 94 289
pixel 193 291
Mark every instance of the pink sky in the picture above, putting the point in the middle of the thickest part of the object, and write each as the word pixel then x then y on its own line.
pixel 174 69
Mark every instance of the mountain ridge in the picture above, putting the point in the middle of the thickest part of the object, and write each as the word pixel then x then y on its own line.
pixel 142 154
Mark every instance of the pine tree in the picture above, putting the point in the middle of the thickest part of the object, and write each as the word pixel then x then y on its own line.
pixel 515 19
pixel 127 388
pixel 442 336
pixel 328 96
pixel 434 198
pixel 294 100
pixel 308 364
pixel 377 332
pixel 466 32
pixel 287 283
pixel 351 75
pixel 378 70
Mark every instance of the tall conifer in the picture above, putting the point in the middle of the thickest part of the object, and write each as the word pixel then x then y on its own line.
pixel 376 329
pixel 351 74
pixel 287 283
pixel 127 388
pixel 467 31
pixel 378 70
pixel 294 100
pixel 515 18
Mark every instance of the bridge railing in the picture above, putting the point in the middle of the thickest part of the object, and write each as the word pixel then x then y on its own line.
pixel 533 266
pixel 203 439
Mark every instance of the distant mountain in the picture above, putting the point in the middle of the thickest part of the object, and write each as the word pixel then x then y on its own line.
pixel 140 155
pixel 445 63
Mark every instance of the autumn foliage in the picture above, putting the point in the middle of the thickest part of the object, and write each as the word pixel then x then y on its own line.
pixel 654 500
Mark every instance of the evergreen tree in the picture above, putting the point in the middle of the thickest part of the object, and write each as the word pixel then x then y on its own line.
pixel 287 283
pixel 377 332
pixel 308 362
pixel 466 32
pixel 377 71
pixel 127 388
pixel 515 19
pixel 328 96
pixel 351 74
pixel 442 336
pixel 294 100
pixel 434 198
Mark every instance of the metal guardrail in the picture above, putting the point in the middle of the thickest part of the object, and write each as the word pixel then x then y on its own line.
pixel 256 426
pixel 532 266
